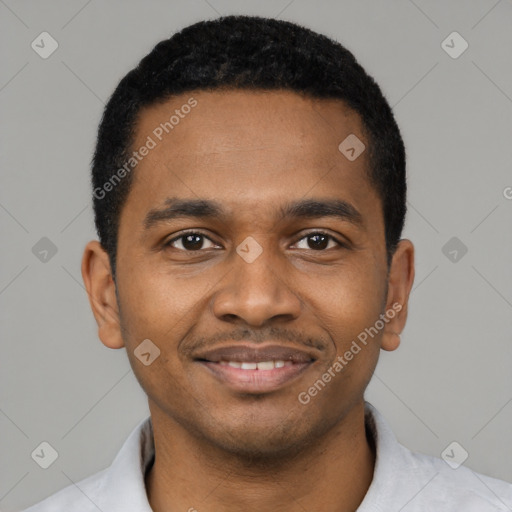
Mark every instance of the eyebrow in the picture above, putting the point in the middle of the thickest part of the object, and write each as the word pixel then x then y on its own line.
pixel 209 209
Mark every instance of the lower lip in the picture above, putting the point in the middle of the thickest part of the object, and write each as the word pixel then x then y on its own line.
pixel 255 381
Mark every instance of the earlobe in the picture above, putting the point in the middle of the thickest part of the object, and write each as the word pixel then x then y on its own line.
pixel 401 278
pixel 390 340
pixel 97 276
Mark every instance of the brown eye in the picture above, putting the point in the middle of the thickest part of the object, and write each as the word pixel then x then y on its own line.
pixel 319 241
pixel 191 241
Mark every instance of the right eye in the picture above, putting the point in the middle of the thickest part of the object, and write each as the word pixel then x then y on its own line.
pixel 190 241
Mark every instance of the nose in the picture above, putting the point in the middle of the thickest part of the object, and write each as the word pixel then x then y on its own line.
pixel 256 293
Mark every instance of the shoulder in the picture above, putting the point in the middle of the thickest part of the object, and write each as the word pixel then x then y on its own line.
pixel 80 497
pixel 414 482
pixel 441 487
pixel 119 487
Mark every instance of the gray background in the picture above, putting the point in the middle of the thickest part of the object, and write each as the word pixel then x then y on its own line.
pixel 450 379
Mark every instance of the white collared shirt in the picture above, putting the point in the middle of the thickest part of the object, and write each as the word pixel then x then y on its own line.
pixel 403 481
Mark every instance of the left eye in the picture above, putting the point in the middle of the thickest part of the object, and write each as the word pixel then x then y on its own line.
pixel 318 241
pixel 194 241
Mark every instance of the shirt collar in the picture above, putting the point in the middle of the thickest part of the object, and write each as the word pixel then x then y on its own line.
pixel 123 486
pixel 394 468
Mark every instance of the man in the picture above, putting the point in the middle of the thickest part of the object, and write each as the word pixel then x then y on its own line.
pixel 249 195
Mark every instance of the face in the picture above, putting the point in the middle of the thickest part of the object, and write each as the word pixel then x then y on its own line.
pixel 248 237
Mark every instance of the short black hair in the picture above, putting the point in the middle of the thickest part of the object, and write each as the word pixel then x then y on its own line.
pixel 246 52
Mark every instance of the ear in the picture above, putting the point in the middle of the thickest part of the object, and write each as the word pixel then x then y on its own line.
pixel 101 289
pixel 400 280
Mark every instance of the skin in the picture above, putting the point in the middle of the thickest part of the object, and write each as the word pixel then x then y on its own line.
pixel 218 449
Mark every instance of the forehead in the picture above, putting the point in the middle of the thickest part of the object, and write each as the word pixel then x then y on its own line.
pixel 248 149
pixel 232 120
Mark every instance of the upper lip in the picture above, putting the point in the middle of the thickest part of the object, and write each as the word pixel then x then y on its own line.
pixel 256 353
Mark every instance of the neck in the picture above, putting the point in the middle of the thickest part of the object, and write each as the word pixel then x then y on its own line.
pixel 333 475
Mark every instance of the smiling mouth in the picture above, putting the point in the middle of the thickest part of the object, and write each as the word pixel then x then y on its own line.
pixel 261 365
pixel 255 377
pixel 255 369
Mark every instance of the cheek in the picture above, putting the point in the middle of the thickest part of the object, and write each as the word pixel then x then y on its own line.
pixel 352 302
pixel 350 305
pixel 160 309
pixel 147 300
pixel 155 306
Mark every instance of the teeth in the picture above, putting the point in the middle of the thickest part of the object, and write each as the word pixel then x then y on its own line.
pixel 263 365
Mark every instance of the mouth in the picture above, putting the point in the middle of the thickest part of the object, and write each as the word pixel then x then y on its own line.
pixel 256 369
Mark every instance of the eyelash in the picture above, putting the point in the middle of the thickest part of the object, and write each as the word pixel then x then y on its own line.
pixel 192 232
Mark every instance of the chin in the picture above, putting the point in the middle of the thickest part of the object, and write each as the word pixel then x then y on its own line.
pixel 258 443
